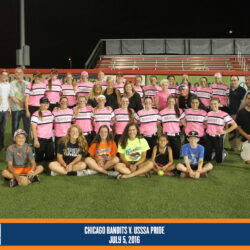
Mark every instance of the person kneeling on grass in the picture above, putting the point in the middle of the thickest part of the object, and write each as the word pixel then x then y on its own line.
pixel 18 155
pixel 162 156
pixel 133 150
pixel 193 154
pixel 102 153
pixel 70 150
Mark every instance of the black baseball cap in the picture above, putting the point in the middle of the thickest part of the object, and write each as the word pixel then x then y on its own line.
pixel 37 73
pixel 44 100
pixel 193 134
pixel 54 71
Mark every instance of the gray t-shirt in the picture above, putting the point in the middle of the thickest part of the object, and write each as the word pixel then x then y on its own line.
pixel 19 156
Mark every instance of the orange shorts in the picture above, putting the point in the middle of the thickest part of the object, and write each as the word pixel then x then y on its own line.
pixel 22 170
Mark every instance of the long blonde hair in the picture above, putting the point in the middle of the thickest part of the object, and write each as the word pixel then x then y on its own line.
pixel 92 92
pixel 82 142
pixel 127 83
pixel 78 105
pixel 73 83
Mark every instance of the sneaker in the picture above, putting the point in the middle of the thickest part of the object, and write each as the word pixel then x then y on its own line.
pixel 52 173
pixel 86 172
pixel 213 156
pixel 113 173
pixel 13 183
pixel 184 175
pixel 34 179
pixel 205 175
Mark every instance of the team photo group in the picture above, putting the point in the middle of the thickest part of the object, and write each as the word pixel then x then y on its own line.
pixel 120 128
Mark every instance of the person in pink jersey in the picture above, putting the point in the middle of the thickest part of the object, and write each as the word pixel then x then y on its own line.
pixel 122 116
pixel 204 92
pixel 152 89
pixel 172 87
pixel 83 117
pixel 138 84
pixel 119 82
pixel 101 79
pixel 71 148
pixel 148 118
pixel 69 90
pixel 216 122
pixel 94 93
pixel 41 125
pixel 195 119
pixel 171 118
pixel 162 96
pixel 221 91
pixel 63 117
pixel 102 115
pixel 84 86
pixel 53 89
pixel 33 93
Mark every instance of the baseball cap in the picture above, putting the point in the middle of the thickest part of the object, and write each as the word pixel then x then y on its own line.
pixel 44 100
pixel 20 132
pixel 84 73
pixel 183 86
pixel 54 71
pixel 193 134
pixel 37 73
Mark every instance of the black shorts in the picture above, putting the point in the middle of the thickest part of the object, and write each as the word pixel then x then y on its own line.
pixel 193 167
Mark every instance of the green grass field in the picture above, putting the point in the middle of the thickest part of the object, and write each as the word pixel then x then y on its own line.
pixel 225 194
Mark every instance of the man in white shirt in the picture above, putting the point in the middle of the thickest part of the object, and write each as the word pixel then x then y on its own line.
pixel 4 105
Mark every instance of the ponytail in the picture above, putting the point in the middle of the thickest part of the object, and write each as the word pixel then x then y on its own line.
pixel 77 110
pixel 33 81
pixel 40 115
pixel 130 115
pixel 50 84
pixel 177 111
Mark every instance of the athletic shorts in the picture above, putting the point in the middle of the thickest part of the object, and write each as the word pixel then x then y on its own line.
pixel 22 170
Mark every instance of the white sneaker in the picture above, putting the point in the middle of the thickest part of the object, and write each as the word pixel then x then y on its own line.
pixel 86 172
pixel 113 173
pixel 213 156
pixel 52 173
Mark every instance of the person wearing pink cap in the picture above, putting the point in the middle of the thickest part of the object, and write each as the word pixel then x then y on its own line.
pixel 33 93
pixel 69 90
pixel 53 89
pixel 84 86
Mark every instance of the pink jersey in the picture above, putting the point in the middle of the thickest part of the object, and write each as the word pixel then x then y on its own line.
pixel 139 91
pixel 84 119
pixel 84 88
pixel 35 94
pixel 148 121
pixel 204 94
pixel 103 117
pixel 62 121
pixel 216 121
pixel 68 91
pixel 43 127
pixel 151 91
pixel 120 87
pixel 221 91
pixel 195 120
pixel 122 118
pixel 56 90
pixel 170 122
pixel 162 96
pixel 103 84
pixel 172 89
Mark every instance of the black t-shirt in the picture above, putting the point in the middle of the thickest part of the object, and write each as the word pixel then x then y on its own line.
pixel 92 102
pixel 243 120
pixel 135 102
pixel 235 98
pixel 71 153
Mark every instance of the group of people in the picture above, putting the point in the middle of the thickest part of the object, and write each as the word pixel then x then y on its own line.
pixel 115 125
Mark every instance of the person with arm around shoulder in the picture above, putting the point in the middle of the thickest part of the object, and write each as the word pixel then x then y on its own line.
pixel 20 159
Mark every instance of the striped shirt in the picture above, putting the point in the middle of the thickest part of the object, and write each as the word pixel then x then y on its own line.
pixel 56 90
pixel 44 126
pixel 68 91
pixel 205 95
pixel 84 88
pixel 151 91
pixel 35 93
pixel 170 122
pixel 217 120
pixel 84 119
pixel 221 91
pixel 195 121
pixel 172 89
pixel 103 84
pixel 103 117
pixel 122 118
pixel 139 91
pixel 148 121
pixel 120 87
pixel 62 121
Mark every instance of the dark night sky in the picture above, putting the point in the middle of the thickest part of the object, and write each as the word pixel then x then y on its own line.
pixel 58 29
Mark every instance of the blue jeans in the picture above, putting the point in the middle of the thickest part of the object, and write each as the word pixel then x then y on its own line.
pixel 16 117
pixel 3 120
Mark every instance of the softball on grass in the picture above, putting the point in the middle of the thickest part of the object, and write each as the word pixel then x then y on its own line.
pixel 24 181
pixel 160 173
